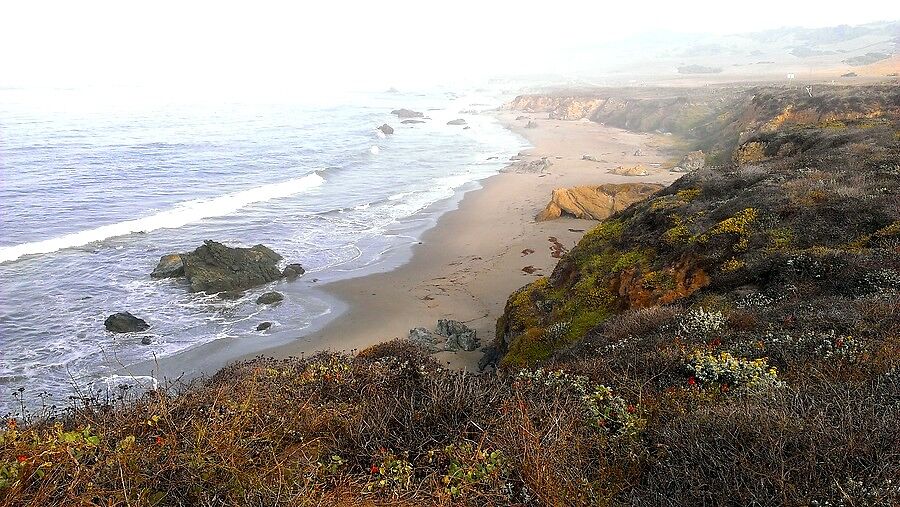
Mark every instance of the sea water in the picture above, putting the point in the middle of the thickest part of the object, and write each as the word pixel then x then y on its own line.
pixel 95 186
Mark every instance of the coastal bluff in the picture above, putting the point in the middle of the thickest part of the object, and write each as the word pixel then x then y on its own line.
pixel 595 202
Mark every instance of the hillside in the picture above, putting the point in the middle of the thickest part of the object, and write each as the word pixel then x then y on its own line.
pixel 732 340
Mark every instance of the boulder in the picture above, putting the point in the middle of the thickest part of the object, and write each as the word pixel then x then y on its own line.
pixel 386 129
pixel 413 121
pixel 529 167
pixel 691 162
pixel 424 338
pixel 637 170
pixel 125 322
pixel 522 117
pixel 263 326
pixel 146 340
pixel 270 298
pixel 214 267
pixel 459 336
pixel 589 158
pixel 531 125
pixel 490 358
pixel 458 121
pixel 407 113
pixel 292 271
pixel 595 202
pixel 170 266
pixel 638 153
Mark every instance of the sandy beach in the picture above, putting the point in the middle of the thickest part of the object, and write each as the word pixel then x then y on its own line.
pixel 473 259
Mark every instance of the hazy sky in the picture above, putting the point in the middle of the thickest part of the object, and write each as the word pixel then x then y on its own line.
pixel 257 44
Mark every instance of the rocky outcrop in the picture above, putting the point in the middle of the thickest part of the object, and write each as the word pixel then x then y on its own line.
pixel 556 107
pixel 459 336
pixel 263 326
pixel 454 334
pixel 424 338
pixel 531 125
pixel 386 129
pixel 750 153
pixel 637 170
pixel 458 121
pixel 407 113
pixel 270 298
pixel 214 267
pixel 691 162
pixel 125 322
pixel 538 166
pixel 292 271
pixel 170 266
pixel 413 121
pixel 595 202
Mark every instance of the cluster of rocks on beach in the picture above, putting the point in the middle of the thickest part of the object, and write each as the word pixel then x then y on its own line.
pixel 215 268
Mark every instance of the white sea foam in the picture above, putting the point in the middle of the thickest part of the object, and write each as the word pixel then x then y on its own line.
pixel 374 150
pixel 179 216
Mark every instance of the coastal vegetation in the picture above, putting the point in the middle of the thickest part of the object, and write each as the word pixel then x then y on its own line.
pixel 734 339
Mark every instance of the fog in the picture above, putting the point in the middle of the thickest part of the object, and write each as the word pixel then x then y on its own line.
pixel 265 47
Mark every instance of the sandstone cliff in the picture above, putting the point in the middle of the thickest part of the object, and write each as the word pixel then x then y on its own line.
pixel 595 202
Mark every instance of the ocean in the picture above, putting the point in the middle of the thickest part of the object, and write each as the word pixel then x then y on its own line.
pixel 95 186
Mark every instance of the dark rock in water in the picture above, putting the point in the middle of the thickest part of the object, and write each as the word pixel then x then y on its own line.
pixel 214 267
pixel 292 271
pixel 413 121
pixel 458 121
pixel 386 129
pixel 459 336
pixel 424 338
pixel 269 298
pixel 125 322
pixel 146 340
pixel 263 326
pixel 231 295
pixel 170 266
pixel 466 127
pixel 407 113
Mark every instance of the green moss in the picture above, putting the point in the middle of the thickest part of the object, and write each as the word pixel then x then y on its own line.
pixel 688 194
pixel 632 258
pixel 523 312
pixel 659 280
pixel 585 321
pixel 780 239
pixel 739 224
pixel 608 230
pixel 731 265
pixel 528 348
pixel 677 235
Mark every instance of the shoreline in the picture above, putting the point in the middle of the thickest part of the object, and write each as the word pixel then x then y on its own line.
pixel 471 260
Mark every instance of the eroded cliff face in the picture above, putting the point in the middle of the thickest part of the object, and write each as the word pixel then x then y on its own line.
pixel 718 120
pixel 595 202
pixel 557 107
pixel 800 205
